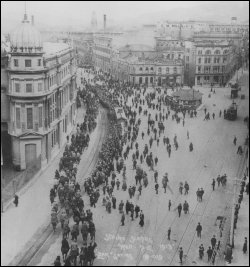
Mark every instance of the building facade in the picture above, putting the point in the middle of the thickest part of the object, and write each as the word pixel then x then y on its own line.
pixel 215 63
pixel 41 92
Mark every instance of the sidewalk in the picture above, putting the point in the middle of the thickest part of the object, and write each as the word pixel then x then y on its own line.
pixel 242 231
pixel 19 224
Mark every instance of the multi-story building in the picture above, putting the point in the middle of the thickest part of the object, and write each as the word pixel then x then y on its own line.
pixel 181 30
pixel 215 62
pixel 140 64
pixel 5 106
pixel 41 92
pixel 189 63
pixel 102 53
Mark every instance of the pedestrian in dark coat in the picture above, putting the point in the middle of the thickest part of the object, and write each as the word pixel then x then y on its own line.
pixel 179 209
pixel 114 202
pixel 16 200
pixel 156 188
pixel 209 253
pixel 201 251
pixel 169 233
pixel 180 254
pixel 213 241
pixel 213 184
pixel 169 204
pixel 245 246
pixel 141 219
pixel 198 230
pixel 137 210
pixel 123 218
pixel 57 262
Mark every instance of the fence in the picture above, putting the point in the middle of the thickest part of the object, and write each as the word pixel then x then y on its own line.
pixel 19 180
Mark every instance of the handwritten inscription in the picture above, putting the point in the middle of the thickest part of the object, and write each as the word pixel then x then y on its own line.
pixel 143 243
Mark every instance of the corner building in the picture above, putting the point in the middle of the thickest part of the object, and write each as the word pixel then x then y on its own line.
pixel 42 93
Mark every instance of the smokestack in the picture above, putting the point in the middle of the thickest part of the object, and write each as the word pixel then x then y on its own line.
pixel 32 20
pixel 104 21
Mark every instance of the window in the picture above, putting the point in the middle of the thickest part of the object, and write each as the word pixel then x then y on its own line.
pixel 187 58
pixel 16 62
pixel 29 118
pixel 40 116
pixel 28 88
pixel 18 118
pixel 175 70
pixel 146 69
pixel 208 52
pixel 152 68
pixel 200 52
pixel 27 62
pixel 217 52
pixel 39 61
pixel 159 69
pixel 141 69
pixel 17 87
pixel 167 70
pixel 199 60
pixel 199 69
pixel 40 87
pixel 224 59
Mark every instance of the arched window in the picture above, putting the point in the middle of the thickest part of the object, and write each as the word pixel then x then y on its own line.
pixel 159 69
pixel 208 52
pixel 152 68
pixel 140 68
pixel 217 52
pixel 225 51
pixel 146 69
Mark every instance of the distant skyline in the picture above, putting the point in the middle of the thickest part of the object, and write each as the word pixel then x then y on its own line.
pixel 50 14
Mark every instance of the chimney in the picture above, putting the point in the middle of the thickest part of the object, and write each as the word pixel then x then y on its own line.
pixel 32 20
pixel 104 21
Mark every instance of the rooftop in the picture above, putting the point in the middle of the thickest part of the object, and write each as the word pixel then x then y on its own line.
pixel 51 49
pixel 136 47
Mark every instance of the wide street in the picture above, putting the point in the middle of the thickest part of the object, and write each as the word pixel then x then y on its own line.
pixel 214 153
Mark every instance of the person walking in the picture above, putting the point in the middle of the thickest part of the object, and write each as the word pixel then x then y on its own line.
pixel 16 198
pixel 169 233
pixel 123 218
pixel 213 241
pixel 209 254
pixel 213 184
pixel 141 219
pixel 198 230
pixel 169 204
pixel 245 246
pixel 235 140
pixel 156 188
pixel 179 209
pixel 57 262
pixel 201 251
pixel 181 254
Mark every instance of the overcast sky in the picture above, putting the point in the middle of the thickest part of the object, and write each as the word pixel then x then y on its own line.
pixel 55 13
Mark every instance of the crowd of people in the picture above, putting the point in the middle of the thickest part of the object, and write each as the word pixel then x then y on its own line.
pixel 114 154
